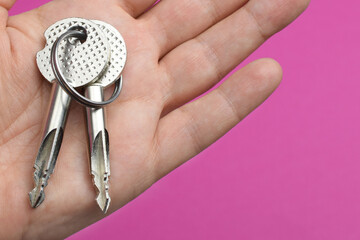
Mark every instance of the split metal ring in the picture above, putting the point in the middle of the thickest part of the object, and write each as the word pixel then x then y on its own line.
pixel 60 77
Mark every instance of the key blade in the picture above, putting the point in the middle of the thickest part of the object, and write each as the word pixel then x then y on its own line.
pixel 98 147
pixel 51 143
pixel 45 164
pixel 100 168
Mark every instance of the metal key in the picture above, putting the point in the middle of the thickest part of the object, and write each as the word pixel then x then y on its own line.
pixel 82 63
pixel 97 133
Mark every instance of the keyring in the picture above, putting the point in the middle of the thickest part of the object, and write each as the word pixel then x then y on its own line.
pixel 59 76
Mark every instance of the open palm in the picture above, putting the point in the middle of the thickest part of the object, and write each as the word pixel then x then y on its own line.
pixel 177 50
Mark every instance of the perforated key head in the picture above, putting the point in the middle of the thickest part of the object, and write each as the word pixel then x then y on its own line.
pixel 118 54
pixel 81 63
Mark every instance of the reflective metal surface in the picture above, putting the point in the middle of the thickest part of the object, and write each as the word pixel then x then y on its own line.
pixel 84 69
pixel 98 148
pixel 51 143
pixel 98 135
pixel 80 63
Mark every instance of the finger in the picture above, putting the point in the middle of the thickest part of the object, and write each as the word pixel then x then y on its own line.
pixel 174 22
pixel 198 64
pixel 136 7
pixel 200 123
pixel 5 6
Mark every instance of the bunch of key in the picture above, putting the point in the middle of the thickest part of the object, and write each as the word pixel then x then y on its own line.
pixel 86 55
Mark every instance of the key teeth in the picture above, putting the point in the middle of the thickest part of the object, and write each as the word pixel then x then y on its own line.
pixel 104 205
pixel 103 197
pixel 36 196
pixel 100 169
pixel 44 165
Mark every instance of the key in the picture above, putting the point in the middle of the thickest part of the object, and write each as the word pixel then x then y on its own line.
pixel 82 63
pixel 97 132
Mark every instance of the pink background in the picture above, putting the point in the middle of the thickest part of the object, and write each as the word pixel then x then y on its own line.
pixel 291 170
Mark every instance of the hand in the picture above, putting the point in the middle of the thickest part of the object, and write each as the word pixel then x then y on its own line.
pixel 176 51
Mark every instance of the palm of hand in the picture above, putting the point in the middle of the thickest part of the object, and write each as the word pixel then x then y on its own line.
pixel 149 134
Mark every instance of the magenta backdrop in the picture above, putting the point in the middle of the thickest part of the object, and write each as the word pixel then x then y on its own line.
pixel 288 171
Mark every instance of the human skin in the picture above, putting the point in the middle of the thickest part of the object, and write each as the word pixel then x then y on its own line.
pixel 177 50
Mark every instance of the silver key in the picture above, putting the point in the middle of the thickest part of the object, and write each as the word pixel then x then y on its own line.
pixel 97 133
pixel 82 63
